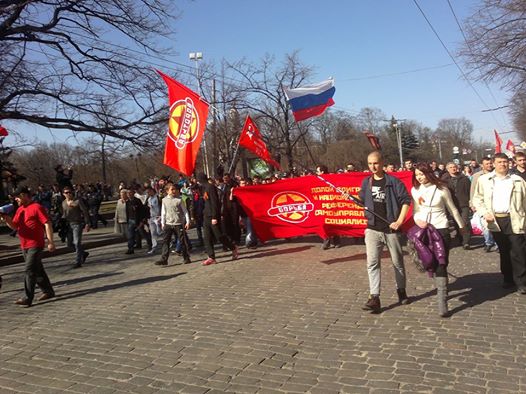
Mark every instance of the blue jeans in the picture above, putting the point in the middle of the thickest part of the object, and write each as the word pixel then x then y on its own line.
pixel 75 240
pixel 488 238
pixel 132 224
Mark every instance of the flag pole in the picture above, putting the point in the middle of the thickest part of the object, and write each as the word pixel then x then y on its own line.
pixel 232 164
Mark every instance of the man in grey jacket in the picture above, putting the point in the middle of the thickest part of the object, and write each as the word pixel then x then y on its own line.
pixel 174 216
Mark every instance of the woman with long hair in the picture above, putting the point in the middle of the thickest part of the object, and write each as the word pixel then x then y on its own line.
pixel 432 202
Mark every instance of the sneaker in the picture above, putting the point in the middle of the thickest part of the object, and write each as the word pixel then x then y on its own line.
pixel 373 304
pixel 209 261
pixel 325 245
pixel 487 248
pixel 151 251
pixel 521 290
pixel 402 297
pixel 466 246
pixel 46 296
pixel 235 253
pixel 187 261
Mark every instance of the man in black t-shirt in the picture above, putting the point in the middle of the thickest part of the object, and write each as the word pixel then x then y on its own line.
pixel 386 196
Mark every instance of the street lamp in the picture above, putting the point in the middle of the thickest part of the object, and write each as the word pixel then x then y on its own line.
pixel 196 56
pixel 396 126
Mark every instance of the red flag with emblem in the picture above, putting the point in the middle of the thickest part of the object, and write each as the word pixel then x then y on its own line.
pixel 510 147
pixel 373 140
pixel 498 142
pixel 186 126
pixel 3 131
pixel 252 140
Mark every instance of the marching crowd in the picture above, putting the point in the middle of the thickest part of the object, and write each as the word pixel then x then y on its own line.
pixel 160 211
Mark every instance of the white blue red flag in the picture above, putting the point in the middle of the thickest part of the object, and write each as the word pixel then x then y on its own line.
pixel 311 100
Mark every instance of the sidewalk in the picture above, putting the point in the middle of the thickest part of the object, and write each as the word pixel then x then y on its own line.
pixel 10 246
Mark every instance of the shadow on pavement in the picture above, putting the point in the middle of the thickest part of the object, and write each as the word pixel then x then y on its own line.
pixel 269 253
pixel 360 256
pixel 100 289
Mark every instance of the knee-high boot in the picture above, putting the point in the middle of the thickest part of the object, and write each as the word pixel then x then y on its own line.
pixel 441 285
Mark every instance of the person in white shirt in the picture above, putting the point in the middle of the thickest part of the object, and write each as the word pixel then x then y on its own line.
pixel 154 222
pixel 432 200
pixel 500 197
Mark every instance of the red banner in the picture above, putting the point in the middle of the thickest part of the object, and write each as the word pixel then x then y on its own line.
pixel 307 205
pixel 498 142
pixel 186 125
pixel 510 147
pixel 252 140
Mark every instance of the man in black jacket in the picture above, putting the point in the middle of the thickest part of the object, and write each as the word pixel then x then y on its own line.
pixel 459 185
pixel 212 221
pixel 138 216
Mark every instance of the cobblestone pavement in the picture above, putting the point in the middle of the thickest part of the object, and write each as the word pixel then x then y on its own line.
pixel 284 318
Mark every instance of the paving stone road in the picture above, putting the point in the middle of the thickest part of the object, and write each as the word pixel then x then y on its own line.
pixel 284 318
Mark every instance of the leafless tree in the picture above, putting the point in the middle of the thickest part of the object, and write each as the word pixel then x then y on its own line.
pixel 262 85
pixel 62 58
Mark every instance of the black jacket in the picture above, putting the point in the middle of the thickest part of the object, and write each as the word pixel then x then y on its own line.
pixel 459 187
pixel 212 208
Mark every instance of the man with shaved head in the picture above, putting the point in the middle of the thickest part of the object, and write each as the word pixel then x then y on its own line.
pixel 386 196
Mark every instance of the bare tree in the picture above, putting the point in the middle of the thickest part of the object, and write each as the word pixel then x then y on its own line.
pixel 61 59
pixel 495 48
pixel 262 85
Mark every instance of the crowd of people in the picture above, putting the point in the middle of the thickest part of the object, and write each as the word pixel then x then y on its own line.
pixel 445 199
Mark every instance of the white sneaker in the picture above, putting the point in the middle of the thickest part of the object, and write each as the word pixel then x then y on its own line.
pixel 151 251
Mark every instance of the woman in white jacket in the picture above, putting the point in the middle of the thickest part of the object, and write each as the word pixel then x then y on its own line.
pixel 432 201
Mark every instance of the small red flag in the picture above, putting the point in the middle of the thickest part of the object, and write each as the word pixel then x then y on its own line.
pixel 510 147
pixel 186 125
pixel 251 139
pixel 373 140
pixel 498 142
pixel 3 131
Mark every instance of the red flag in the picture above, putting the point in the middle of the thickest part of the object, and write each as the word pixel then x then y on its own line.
pixel 186 125
pixel 3 131
pixel 373 140
pixel 251 139
pixel 498 142
pixel 510 147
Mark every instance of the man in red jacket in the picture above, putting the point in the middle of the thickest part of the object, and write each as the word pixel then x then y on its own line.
pixel 31 221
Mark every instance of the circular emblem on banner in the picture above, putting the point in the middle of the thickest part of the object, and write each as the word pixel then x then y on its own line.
pixel 183 123
pixel 291 207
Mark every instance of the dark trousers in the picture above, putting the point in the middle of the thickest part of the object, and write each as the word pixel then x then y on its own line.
pixel 231 227
pixel 211 232
pixel 134 231
pixel 441 271
pixel 35 273
pixel 464 213
pixel 512 250
pixel 177 232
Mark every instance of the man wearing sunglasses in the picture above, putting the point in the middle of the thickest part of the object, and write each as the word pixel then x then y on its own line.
pixel 77 215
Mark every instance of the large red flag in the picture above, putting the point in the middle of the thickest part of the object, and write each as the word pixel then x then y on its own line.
pixel 3 131
pixel 498 142
pixel 186 125
pixel 251 139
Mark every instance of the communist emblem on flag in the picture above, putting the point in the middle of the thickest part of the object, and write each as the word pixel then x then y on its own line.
pixel 183 123
pixel 291 207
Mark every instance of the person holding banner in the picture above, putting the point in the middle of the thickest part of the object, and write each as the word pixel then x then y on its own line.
pixel 432 202
pixel 386 196
pixel 211 221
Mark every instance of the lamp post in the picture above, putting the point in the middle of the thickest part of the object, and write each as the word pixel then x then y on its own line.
pixel 396 126
pixel 196 56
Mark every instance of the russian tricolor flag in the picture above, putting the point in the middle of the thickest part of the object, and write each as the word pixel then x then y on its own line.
pixel 312 100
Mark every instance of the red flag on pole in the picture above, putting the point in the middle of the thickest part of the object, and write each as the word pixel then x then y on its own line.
pixel 251 139
pixel 510 147
pixel 373 140
pixel 498 142
pixel 186 125
pixel 3 131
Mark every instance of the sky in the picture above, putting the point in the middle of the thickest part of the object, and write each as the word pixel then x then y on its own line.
pixel 381 53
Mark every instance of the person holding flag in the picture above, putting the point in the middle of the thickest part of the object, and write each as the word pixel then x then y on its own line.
pixel 387 196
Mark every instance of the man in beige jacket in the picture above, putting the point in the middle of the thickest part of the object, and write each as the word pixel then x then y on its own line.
pixel 500 197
